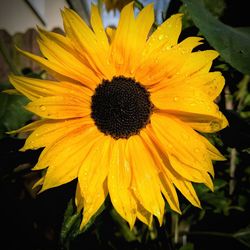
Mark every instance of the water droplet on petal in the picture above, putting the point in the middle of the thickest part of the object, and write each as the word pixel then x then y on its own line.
pixel 161 37
pixel 42 107
pixel 176 98
pixel 215 125
pixel 196 150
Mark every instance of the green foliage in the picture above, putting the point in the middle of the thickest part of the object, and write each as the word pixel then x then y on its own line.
pixel 12 113
pixel 232 43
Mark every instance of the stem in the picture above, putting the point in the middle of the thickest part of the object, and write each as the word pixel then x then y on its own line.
pixel 233 152
pixel 175 227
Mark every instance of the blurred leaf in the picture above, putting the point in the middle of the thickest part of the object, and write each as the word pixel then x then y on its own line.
pixel 233 44
pixel 12 113
pixel 243 236
pixel 71 224
pixel 72 221
pixel 242 95
pixel 188 246
pixel 216 7
pixel 128 234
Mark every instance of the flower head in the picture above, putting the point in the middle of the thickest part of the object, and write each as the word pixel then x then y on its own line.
pixel 124 113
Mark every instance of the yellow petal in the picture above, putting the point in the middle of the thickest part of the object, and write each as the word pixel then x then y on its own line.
pixel 200 61
pixel 92 177
pixel 65 157
pixel 48 132
pixel 145 182
pixel 85 41
pixel 36 88
pixel 210 83
pixel 66 59
pixel 59 107
pixel 187 189
pixel 144 215
pixel 166 35
pixel 184 186
pixel 30 127
pixel 119 179
pixel 96 23
pixel 213 152
pixel 124 46
pixel 186 152
pixel 38 183
pixel 110 33
pixel 203 123
pixel 167 187
pixel 78 198
pixel 157 69
pixel 56 69
pixel 190 101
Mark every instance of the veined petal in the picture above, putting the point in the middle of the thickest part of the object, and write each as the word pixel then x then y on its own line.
pixel 92 177
pixel 37 88
pixel 59 107
pixel 144 22
pixel 67 59
pixel 200 61
pixel 186 153
pixel 78 198
pixel 85 41
pixel 212 151
pixel 201 122
pixel 190 101
pixel 96 23
pixel 167 187
pixel 48 132
pixel 30 127
pixel 187 189
pixel 144 215
pixel 145 182
pixel 210 83
pixel 166 35
pixel 66 156
pixel 124 46
pixel 110 33
pixel 157 69
pixel 59 71
pixel 119 180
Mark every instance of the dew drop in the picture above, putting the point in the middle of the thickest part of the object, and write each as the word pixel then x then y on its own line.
pixel 42 107
pixel 214 125
pixel 176 98
pixel 196 150
pixel 161 37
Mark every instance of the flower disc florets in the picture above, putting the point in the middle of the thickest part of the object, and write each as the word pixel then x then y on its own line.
pixel 121 107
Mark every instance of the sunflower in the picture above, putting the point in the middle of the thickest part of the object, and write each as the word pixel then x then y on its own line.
pixel 124 113
pixel 115 4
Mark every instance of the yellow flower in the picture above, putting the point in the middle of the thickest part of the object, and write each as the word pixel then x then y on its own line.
pixel 124 113
pixel 115 4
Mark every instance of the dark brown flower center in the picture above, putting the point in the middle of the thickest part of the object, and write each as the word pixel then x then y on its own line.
pixel 121 107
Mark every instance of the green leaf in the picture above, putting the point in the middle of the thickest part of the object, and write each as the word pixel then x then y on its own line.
pixel 243 236
pixel 12 113
pixel 71 224
pixel 128 234
pixel 232 43
pixel 188 246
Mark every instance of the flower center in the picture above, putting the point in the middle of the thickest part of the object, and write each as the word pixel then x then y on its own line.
pixel 121 107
